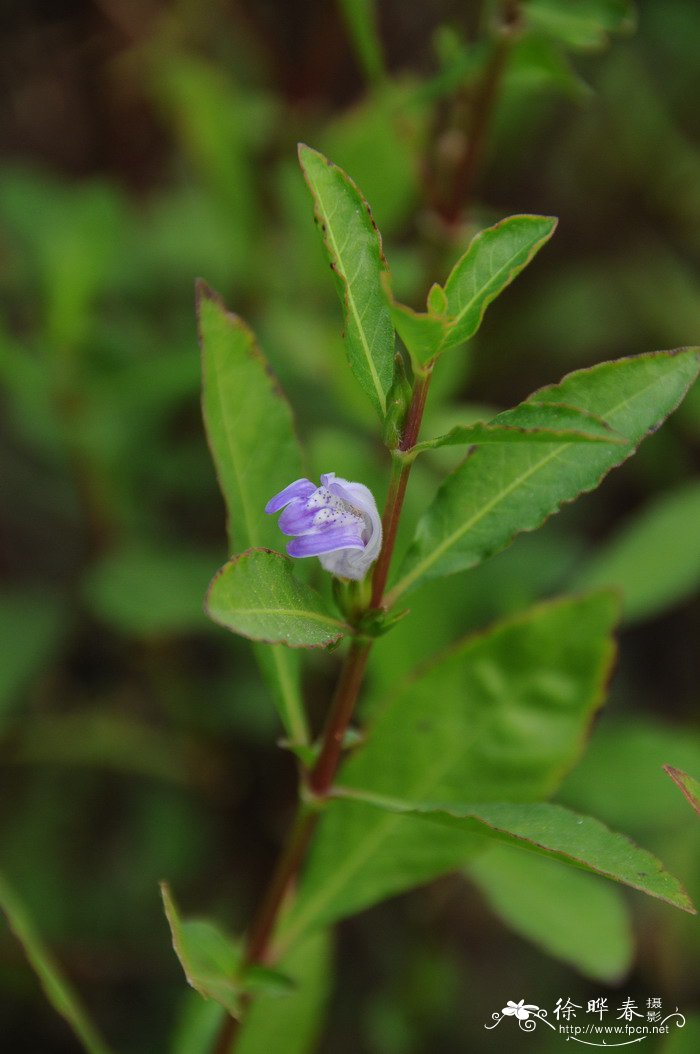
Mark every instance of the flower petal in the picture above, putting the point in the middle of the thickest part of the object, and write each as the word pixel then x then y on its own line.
pixel 300 488
pixel 297 518
pixel 324 542
pixel 361 498
pixel 337 521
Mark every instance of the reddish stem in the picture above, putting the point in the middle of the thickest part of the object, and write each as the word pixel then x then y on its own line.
pixel 345 698
pixel 397 488
pixel 339 717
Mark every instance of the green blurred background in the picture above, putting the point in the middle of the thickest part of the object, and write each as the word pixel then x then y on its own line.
pixel 147 143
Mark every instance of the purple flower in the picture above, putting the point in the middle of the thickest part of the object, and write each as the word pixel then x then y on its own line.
pixel 338 522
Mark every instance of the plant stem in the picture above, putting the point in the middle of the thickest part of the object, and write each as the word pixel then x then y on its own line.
pixel 340 714
pixel 397 488
pixel 287 867
pixel 283 876
pixel 320 779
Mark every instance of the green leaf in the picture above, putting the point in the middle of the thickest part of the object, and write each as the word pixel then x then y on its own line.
pixel 354 248
pixel 687 784
pixel 284 1015
pixel 211 962
pixel 500 490
pixel 423 333
pixel 281 669
pixel 494 258
pixel 256 594
pixel 256 454
pixel 292 1023
pixel 568 914
pixel 248 421
pixel 529 423
pixel 501 716
pixel 58 991
pixel 548 830
pixel 583 24
pixel 260 978
pixel 197 1026
pixel 361 19
pixel 664 540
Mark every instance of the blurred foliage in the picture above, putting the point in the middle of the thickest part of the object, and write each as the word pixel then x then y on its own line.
pixel 145 146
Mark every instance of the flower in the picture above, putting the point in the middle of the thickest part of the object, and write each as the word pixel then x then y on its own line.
pixel 521 1009
pixel 338 522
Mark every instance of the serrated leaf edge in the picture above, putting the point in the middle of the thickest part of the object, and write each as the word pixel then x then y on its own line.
pixel 408 579
pixel 430 810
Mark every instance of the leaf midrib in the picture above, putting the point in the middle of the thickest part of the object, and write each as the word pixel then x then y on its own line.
pixel 351 301
pixel 662 886
pixel 403 583
pixel 462 435
pixel 246 504
pixel 301 613
pixel 470 303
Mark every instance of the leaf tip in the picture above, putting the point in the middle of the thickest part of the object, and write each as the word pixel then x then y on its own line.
pixel 166 893
pixel 307 153
pixel 684 902
pixel 206 294
pixel 686 785
pixel 203 290
pixel 551 223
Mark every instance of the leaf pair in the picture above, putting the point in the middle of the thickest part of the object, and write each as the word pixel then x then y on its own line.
pixel 454 313
pixel 557 444
pixel 354 247
pixel 529 460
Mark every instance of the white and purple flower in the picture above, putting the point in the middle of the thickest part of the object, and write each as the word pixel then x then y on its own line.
pixel 338 522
